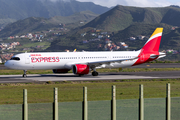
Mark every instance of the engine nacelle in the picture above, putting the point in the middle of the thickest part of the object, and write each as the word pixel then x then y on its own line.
pixel 60 70
pixel 81 69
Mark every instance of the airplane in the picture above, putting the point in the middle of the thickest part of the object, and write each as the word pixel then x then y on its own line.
pixel 82 63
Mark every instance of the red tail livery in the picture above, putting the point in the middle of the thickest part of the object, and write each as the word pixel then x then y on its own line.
pixel 150 50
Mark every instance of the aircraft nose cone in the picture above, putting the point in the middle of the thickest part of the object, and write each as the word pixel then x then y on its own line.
pixel 7 64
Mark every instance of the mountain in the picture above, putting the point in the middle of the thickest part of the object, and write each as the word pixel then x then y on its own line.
pixel 13 10
pixel 124 22
pixel 120 17
pixel 86 16
pixel 75 40
pixel 144 29
pixel 170 38
pixel 34 24
pixel 127 22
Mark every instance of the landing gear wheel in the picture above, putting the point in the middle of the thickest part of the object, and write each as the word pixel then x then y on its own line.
pixel 81 75
pixel 25 75
pixel 94 73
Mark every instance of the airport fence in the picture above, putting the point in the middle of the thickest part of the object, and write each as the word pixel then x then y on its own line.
pixel 128 109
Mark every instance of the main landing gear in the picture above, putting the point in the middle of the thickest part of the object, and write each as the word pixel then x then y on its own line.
pixel 94 73
pixel 25 75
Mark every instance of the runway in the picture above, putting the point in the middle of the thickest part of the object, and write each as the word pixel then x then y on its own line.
pixel 102 76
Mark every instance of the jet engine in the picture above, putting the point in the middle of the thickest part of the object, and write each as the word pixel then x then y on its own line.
pixel 81 69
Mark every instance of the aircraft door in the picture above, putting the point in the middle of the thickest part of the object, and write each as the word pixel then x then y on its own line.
pixel 27 58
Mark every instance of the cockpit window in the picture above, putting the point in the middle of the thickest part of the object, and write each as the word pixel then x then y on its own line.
pixel 15 58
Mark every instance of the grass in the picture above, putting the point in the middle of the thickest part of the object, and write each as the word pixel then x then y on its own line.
pixel 20 72
pixel 34 44
pixel 97 90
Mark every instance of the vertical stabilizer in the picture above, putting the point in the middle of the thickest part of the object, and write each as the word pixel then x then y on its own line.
pixel 153 43
pixel 150 50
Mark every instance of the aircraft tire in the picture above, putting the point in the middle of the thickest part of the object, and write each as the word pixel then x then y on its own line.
pixel 94 73
pixel 24 75
pixel 81 75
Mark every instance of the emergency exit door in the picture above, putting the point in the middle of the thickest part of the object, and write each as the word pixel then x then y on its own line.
pixel 27 58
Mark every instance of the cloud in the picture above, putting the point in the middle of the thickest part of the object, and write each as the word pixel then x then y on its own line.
pixel 108 3
pixel 147 3
pixel 58 0
pixel 137 3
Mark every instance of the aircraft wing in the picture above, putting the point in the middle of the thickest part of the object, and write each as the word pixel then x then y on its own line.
pixel 108 62
pixel 97 63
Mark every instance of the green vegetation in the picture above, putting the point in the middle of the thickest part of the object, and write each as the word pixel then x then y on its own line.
pixel 121 17
pixel 97 90
pixel 165 61
pixel 28 45
pixel 144 29
pixel 11 11
pixel 74 40
pixel 123 21
pixel 34 24
pixel 20 72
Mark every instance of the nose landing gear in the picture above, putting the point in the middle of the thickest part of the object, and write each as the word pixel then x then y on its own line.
pixel 25 75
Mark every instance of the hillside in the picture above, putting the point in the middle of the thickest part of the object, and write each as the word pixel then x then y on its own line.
pixel 117 25
pixel 75 40
pixel 121 17
pixel 142 29
pixel 34 24
pixel 126 22
pixel 170 38
pixel 85 16
pixel 13 10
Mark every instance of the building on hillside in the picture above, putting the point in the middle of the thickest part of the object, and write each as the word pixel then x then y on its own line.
pixel 100 36
pixel 85 41
pixel 140 37
pixel 94 34
pixel 123 44
pixel 29 35
pixel 83 34
pixel 67 50
pixel 132 38
pixel 98 30
pixel 0 60
pixel 107 41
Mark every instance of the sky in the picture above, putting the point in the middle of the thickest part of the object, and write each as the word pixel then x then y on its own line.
pixel 137 3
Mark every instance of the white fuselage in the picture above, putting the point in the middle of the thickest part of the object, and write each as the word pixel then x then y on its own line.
pixel 65 60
